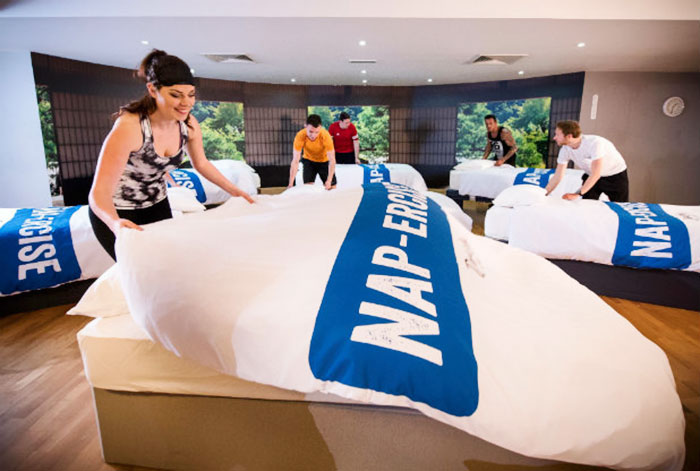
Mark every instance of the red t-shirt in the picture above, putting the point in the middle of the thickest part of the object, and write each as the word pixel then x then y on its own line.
pixel 342 138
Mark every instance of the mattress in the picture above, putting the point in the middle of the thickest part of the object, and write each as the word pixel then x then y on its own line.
pixel 118 355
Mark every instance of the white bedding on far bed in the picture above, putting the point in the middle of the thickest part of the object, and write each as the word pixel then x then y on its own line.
pixel 352 176
pixel 585 230
pixel 40 249
pixel 490 182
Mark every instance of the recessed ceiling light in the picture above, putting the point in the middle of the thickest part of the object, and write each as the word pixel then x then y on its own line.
pixel 362 42
pixel 144 42
pixel 521 72
pixel 364 81
pixel 363 71
pixel 430 80
pixel 581 45
pixel 293 80
pixel 192 71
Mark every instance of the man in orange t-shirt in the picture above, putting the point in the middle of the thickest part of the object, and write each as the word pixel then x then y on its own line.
pixel 319 154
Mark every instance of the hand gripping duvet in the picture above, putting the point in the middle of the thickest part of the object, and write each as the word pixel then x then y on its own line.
pixel 376 294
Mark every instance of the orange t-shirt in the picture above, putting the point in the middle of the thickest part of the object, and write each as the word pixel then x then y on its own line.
pixel 317 149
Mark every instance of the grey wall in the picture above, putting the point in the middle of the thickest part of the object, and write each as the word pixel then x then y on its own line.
pixel 24 181
pixel 662 153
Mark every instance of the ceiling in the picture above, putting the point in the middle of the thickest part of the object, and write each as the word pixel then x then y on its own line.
pixel 411 41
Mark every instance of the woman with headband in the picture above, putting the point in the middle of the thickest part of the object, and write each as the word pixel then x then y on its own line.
pixel 147 141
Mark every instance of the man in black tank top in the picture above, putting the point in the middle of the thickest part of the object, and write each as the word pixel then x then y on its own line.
pixel 499 140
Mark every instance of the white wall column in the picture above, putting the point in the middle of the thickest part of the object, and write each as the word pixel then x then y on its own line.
pixel 24 180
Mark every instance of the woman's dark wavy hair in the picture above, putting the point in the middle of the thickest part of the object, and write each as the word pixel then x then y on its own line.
pixel 146 105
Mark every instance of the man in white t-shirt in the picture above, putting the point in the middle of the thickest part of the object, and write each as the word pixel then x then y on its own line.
pixel 605 171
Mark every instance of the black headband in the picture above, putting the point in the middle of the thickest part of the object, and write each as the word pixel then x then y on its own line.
pixel 169 70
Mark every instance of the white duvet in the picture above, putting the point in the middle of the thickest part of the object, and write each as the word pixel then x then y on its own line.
pixel 237 172
pixel 352 176
pixel 490 181
pixel 584 230
pixel 36 254
pixel 560 374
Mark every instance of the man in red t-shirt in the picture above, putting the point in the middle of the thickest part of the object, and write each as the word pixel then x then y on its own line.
pixel 345 140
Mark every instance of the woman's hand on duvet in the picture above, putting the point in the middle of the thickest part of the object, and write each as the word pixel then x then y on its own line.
pixel 246 196
pixel 119 223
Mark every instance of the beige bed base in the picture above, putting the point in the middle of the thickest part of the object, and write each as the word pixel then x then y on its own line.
pixel 186 432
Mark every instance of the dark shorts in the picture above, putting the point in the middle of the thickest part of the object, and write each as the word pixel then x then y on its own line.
pixel 615 186
pixel 311 169
pixel 345 157
pixel 106 237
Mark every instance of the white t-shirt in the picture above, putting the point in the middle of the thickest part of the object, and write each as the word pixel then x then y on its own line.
pixel 594 148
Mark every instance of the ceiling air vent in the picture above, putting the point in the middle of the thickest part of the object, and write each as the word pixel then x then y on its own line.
pixel 230 58
pixel 362 61
pixel 496 59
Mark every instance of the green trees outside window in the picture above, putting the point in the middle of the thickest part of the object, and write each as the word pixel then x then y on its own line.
pixel 223 131
pixel 527 119
pixel 49 137
pixel 372 123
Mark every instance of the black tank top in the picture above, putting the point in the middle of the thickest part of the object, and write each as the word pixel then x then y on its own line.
pixel 142 183
pixel 499 146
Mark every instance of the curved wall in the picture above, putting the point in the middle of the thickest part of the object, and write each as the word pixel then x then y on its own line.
pixel 422 120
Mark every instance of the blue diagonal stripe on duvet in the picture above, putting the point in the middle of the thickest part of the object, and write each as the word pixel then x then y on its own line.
pixel 393 317
pixel 375 173
pixel 189 179
pixel 534 176
pixel 649 237
pixel 36 249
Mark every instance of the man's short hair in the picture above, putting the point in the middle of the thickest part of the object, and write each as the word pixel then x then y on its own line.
pixel 490 116
pixel 343 116
pixel 569 127
pixel 314 120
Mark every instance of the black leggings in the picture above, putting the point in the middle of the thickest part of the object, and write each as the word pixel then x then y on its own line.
pixel 106 237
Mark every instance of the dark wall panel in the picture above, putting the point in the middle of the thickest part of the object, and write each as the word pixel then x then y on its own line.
pixel 422 119
pixel 270 133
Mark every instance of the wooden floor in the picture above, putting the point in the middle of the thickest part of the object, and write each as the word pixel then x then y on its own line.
pixel 46 414
pixel 47 420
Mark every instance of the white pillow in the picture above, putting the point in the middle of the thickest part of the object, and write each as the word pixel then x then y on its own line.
pixel 184 200
pixel 520 195
pixel 104 298
pixel 474 164
pixel 234 164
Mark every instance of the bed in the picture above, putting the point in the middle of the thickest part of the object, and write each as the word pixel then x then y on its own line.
pixel 353 176
pixel 237 172
pixel 481 180
pixel 51 255
pixel 359 295
pixel 149 402
pixel 585 238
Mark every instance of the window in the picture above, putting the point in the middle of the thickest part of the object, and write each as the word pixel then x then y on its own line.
pixel 372 123
pixel 223 131
pixel 528 120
